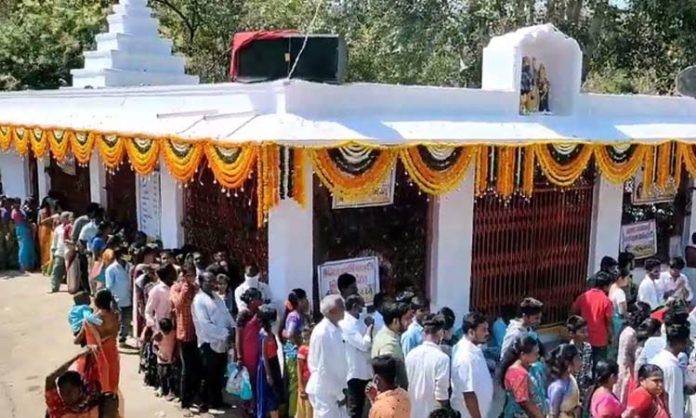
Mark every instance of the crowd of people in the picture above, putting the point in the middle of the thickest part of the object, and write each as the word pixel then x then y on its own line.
pixel 201 325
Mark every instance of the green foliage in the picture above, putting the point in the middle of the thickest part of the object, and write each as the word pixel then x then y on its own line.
pixel 638 48
pixel 41 40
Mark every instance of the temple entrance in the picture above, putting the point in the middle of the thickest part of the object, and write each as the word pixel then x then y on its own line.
pixel 213 220
pixel 396 234
pixel 121 199
pixel 537 248
pixel 70 185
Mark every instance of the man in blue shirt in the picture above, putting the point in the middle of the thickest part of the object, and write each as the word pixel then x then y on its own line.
pixel 118 282
pixel 413 337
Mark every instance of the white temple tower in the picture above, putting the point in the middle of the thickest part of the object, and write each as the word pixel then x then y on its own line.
pixel 132 53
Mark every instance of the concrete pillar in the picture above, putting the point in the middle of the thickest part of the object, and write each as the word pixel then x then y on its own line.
pixel 290 245
pixel 97 180
pixel 14 173
pixel 42 165
pixel 452 233
pixel 171 210
pixel 606 222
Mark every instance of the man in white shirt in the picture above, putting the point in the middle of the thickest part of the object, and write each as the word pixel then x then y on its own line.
pixel 358 340
pixel 213 324
pixel 472 384
pixel 251 279
pixel 428 370
pixel 327 367
pixel 677 342
pixel 58 249
pixel 650 290
pixel 674 283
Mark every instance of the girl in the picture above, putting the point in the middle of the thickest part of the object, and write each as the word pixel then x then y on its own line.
pixel 628 345
pixel 247 337
pixel 617 295
pixel 603 403
pixel 648 400
pixel 295 317
pixel 269 383
pixel 304 408
pixel 563 392
pixel 521 399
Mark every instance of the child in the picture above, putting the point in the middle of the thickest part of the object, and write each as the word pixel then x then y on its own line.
pixel 304 408
pixel 165 342
pixel 577 330
pixel 268 379
pixel 81 311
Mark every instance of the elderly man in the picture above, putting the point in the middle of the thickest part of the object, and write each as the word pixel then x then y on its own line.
pixel 327 366
pixel 59 250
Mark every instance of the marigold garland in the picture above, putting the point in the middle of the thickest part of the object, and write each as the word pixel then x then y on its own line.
pixel 268 166
pixel 481 185
pixel 664 158
pixel 562 174
pixel 687 155
pixel 182 158
pixel 298 179
pixel 529 170
pixel 39 142
pixel 649 169
pixel 345 185
pixel 59 142
pixel 143 154
pixel 233 173
pixel 111 149
pixel 619 172
pixel 82 144
pixel 505 176
pixel 22 140
pixel 5 137
pixel 436 182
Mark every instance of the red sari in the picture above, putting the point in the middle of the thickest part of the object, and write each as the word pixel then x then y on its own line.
pixel 107 358
pixel 250 350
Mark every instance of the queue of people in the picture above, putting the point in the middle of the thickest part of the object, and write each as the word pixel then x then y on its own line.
pixel 202 325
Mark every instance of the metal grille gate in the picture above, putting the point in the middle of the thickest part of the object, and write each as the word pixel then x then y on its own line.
pixel 536 248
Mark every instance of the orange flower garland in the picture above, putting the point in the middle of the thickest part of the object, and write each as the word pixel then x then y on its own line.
pixel 687 155
pixel 617 172
pixel 22 140
pixel 39 142
pixel 664 157
pixel 111 149
pixel 82 144
pixel 347 186
pixel 182 158
pixel 143 154
pixel 59 142
pixel 268 164
pixel 649 169
pixel 562 174
pixel 298 180
pixel 5 137
pixel 433 181
pixel 482 170
pixel 505 184
pixel 233 173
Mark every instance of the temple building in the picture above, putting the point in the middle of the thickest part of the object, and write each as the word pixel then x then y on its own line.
pixel 478 197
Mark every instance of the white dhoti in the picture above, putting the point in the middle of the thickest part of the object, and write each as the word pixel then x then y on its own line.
pixel 327 407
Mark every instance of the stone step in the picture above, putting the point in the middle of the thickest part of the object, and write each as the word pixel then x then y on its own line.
pixel 131 43
pixel 118 78
pixel 133 25
pixel 132 61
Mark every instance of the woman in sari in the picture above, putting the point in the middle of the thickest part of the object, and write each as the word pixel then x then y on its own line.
pixel 563 392
pixel 295 320
pixel 73 394
pixel 25 240
pixel 247 337
pixel 46 221
pixel 522 400
pixel 104 340
pixel 603 403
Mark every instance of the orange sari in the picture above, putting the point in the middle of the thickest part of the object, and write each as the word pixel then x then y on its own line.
pixel 45 241
pixel 107 357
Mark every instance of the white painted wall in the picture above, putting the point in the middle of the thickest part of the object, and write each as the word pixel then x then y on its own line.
pixel 15 175
pixel 97 180
pixel 451 248
pixel 606 222
pixel 290 243
pixel 44 179
pixel 172 210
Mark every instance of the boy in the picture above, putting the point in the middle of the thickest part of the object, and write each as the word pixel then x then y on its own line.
pixel 577 330
pixel 165 342
pixel 81 311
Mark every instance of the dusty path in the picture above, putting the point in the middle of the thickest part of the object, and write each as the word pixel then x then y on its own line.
pixel 35 339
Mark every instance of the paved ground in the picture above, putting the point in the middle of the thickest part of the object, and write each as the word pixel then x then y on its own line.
pixel 35 339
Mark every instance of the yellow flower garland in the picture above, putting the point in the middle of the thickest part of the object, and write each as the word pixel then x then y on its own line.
pixel 505 184
pixel 59 142
pixel 111 149
pixel 649 169
pixel 560 174
pixel 22 140
pixel 687 155
pixel 143 154
pixel 231 175
pixel 39 142
pixel 268 165
pixel 182 158
pixel 664 156
pixel 5 137
pixel 619 172
pixel 82 144
pixel 298 179
pixel 481 185
pixel 347 186
pixel 436 182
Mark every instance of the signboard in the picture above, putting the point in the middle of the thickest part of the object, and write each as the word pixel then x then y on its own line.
pixel 365 270
pixel 639 239
pixel 643 196
pixel 383 196
pixel 149 204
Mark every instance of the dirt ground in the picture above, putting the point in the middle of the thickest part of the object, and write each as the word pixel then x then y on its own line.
pixel 35 339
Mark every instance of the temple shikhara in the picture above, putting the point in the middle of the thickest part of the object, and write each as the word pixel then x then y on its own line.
pixel 479 197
